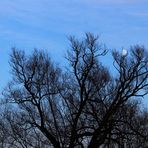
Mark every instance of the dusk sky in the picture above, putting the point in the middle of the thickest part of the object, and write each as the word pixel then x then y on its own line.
pixel 45 24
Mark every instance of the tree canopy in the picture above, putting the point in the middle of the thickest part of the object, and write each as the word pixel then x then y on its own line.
pixel 82 106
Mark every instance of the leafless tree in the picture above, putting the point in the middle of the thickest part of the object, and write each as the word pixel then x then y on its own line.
pixel 83 106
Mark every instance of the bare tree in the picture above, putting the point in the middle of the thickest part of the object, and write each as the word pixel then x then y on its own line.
pixel 83 106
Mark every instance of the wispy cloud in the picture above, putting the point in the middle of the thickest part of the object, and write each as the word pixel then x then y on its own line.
pixel 139 14
pixel 54 19
pixel 117 1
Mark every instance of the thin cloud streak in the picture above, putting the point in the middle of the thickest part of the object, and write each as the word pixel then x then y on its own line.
pixel 38 18
pixel 117 2
pixel 140 14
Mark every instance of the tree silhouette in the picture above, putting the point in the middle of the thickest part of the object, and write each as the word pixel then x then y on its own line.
pixel 83 106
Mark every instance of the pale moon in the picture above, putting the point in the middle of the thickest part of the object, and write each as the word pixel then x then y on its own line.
pixel 124 52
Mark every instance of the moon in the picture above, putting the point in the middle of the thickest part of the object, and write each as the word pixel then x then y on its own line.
pixel 124 52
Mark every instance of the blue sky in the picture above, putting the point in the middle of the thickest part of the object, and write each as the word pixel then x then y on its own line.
pixel 45 24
